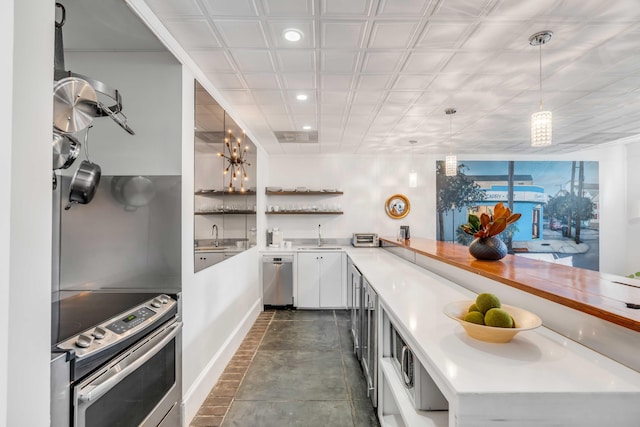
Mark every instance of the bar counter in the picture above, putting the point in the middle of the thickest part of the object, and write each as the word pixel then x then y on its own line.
pixel 598 294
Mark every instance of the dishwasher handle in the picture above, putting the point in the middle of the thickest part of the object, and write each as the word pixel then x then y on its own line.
pixel 277 260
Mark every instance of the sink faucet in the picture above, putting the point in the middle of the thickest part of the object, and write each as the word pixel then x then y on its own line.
pixel 319 236
pixel 215 228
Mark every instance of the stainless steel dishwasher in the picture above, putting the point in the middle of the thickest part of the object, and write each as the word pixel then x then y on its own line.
pixel 277 280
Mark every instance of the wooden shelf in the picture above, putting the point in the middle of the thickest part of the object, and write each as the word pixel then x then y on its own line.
pixel 238 212
pixel 304 193
pixel 305 213
pixel 224 193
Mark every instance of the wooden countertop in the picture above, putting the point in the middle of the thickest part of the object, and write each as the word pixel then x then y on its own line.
pixel 598 294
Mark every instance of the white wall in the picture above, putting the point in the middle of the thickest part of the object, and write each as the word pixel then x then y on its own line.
pixel 219 303
pixel 25 288
pixel 6 123
pixel 632 182
pixel 368 180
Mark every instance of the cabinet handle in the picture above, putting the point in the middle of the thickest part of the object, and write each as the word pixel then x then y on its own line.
pixel 407 371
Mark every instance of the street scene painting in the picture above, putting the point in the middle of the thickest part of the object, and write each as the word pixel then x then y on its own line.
pixel 558 202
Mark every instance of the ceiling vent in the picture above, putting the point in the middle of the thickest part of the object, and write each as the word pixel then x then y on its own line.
pixel 294 137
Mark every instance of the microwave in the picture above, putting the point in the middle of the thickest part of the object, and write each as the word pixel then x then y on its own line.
pixel 365 240
pixel 420 387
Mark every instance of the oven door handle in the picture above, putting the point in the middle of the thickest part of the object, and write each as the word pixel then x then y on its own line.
pixel 94 392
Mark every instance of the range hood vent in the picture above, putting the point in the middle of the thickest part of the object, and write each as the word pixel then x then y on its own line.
pixel 296 137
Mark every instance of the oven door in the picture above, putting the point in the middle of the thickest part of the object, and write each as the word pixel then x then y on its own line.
pixel 141 386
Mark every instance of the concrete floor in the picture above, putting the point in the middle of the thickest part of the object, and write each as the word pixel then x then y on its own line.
pixel 303 373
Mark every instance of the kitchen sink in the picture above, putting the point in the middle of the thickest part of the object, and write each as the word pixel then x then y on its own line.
pixel 319 248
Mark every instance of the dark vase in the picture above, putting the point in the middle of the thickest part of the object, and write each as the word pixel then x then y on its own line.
pixel 488 249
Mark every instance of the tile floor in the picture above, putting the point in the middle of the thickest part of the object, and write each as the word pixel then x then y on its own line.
pixel 294 368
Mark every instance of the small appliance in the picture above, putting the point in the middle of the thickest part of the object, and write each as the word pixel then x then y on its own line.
pixel 365 240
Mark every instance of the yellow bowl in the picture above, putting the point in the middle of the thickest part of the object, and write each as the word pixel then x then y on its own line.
pixel 524 320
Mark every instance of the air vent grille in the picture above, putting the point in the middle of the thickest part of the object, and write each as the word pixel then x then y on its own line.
pixel 295 137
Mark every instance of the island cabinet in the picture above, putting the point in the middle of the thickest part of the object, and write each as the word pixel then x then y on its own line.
pixel 320 281
pixel 540 378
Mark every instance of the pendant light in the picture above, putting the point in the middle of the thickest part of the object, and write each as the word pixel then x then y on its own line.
pixel 450 161
pixel 235 155
pixel 541 122
pixel 413 175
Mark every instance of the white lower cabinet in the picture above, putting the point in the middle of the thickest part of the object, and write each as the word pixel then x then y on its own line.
pixel 320 280
pixel 408 396
pixel 206 259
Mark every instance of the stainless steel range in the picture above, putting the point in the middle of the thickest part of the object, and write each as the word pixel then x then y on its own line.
pixel 116 360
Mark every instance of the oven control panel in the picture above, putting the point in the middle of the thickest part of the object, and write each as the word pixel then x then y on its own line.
pixel 119 328
pixel 131 320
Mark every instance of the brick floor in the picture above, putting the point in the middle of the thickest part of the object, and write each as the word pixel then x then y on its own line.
pixel 216 405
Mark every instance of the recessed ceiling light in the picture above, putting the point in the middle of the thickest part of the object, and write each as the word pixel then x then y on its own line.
pixel 301 97
pixel 293 35
pixel 306 127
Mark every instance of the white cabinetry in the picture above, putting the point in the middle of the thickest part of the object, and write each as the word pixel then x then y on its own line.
pixel 206 259
pixel 320 280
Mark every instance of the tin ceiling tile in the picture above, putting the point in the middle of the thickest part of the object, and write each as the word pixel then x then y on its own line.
pixel 288 8
pixel 342 34
pixel 241 33
pixel 253 61
pixel 230 8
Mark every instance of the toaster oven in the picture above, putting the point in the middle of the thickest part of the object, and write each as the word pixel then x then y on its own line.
pixel 365 240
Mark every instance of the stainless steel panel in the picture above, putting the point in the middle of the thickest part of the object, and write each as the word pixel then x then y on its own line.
pixel 354 282
pixel 370 341
pixel 277 280
pixel 102 245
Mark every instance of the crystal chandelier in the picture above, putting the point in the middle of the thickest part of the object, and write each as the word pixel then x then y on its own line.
pixel 450 161
pixel 541 122
pixel 236 158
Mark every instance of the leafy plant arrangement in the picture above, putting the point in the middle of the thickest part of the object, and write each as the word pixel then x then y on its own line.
pixel 490 225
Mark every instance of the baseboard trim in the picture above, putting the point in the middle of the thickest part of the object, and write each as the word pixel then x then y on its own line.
pixel 198 392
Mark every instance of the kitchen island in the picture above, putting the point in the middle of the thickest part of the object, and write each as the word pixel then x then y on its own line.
pixel 540 378
pixel 587 306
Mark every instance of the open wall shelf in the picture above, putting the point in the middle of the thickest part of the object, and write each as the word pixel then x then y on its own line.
pixel 304 193
pixel 305 213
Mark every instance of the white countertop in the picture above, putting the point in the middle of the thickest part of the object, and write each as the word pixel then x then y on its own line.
pixel 470 373
pixel 306 248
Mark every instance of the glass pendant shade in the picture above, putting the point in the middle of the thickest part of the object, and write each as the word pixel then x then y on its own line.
pixel 541 122
pixel 450 161
pixel 541 129
pixel 450 165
